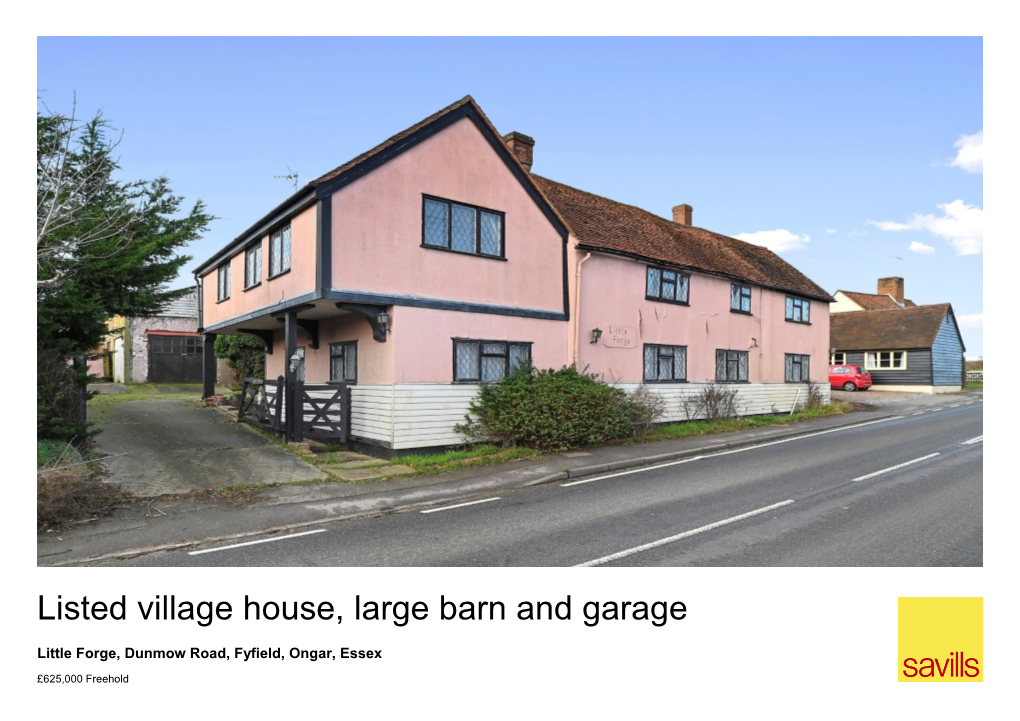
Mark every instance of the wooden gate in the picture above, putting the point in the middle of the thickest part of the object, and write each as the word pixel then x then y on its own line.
pixel 262 403
pixel 325 411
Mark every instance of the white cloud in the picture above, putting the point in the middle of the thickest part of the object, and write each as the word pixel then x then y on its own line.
pixel 960 224
pixel 856 232
pixel 975 321
pixel 830 231
pixel 970 153
pixel 777 241
pixel 920 248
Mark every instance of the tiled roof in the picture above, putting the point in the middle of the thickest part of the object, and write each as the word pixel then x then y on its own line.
pixel 602 224
pixel 893 329
pixel 873 301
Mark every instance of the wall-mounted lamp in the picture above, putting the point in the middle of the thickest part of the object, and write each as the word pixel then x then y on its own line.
pixel 299 355
pixel 596 334
pixel 383 319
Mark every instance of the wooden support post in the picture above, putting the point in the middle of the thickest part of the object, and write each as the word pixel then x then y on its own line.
pixel 209 365
pixel 290 374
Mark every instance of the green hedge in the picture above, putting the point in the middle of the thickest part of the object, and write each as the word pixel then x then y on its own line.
pixel 554 409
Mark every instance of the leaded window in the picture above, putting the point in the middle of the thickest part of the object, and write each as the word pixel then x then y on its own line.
pixel 487 361
pixel 740 298
pixel 343 361
pixel 253 266
pixel 731 365
pixel 223 282
pixel 279 251
pixel 798 310
pixel 665 363
pixel 797 368
pixel 668 286
pixel 462 228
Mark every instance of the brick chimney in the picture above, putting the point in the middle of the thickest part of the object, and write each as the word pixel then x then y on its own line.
pixel 682 214
pixel 891 286
pixel 522 146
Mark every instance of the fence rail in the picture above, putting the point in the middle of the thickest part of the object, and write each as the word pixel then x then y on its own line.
pixel 976 376
pixel 325 409
pixel 261 403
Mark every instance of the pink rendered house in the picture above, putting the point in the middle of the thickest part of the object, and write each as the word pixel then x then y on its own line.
pixel 388 289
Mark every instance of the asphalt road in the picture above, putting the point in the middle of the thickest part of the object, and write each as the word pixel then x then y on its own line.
pixel 899 492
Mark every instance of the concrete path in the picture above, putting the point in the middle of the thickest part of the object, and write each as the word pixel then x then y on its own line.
pixel 175 445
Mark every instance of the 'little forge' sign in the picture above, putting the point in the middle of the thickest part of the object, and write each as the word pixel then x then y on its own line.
pixel 620 336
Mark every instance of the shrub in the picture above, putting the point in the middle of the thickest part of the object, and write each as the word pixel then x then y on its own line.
pixel 59 400
pixel 555 409
pixel 711 402
pixel 245 355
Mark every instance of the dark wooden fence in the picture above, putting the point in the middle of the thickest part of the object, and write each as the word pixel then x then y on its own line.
pixel 325 409
pixel 262 403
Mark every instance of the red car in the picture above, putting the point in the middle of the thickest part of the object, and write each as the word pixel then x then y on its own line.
pixel 849 378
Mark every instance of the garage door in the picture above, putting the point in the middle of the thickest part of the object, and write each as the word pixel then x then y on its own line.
pixel 175 358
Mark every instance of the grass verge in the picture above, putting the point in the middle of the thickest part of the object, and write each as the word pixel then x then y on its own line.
pixel 705 428
pixel 973 385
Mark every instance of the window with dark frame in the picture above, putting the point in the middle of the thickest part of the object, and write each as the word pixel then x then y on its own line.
pixel 253 266
pixel 223 282
pixel 838 359
pixel 279 251
pixel 798 310
pixel 487 361
pixel 343 362
pixel 665 363
pixel 740 298
pixel 667 286
pixel 462 228
pixel 798 369
pixel 731 365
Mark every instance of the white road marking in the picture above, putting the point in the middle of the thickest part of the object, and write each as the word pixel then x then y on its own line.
pixel 460 505
pixel 681 536
pixel 252 543
pixel 955 405
pixel 725 453
pixel 979 439
pixel 887 470
pixel 917 414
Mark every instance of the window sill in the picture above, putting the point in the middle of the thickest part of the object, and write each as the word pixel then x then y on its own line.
pixel 463 252
pixel 255 285
pixel 223 300
pixel 719 381
pixel 798 322
pixel 337 383
pixel 282 272
pixel 658 381
pixel 666 300
pixel 741 312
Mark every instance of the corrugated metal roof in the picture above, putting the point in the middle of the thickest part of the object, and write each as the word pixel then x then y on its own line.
pixel 184 307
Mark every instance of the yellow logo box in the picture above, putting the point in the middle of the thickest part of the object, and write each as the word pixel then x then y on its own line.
pixel 940 639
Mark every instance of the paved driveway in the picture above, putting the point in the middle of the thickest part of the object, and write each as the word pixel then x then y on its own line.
pixel 174 445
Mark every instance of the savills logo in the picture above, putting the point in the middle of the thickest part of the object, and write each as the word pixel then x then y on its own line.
pixel 940 639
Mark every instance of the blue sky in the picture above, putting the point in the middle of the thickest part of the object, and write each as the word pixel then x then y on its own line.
pixel 841 154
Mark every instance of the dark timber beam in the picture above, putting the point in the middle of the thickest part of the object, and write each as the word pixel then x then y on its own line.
pixel 369 313
pixel 209 365
pixel 310 327
pixel 265 335
pixel 294 416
